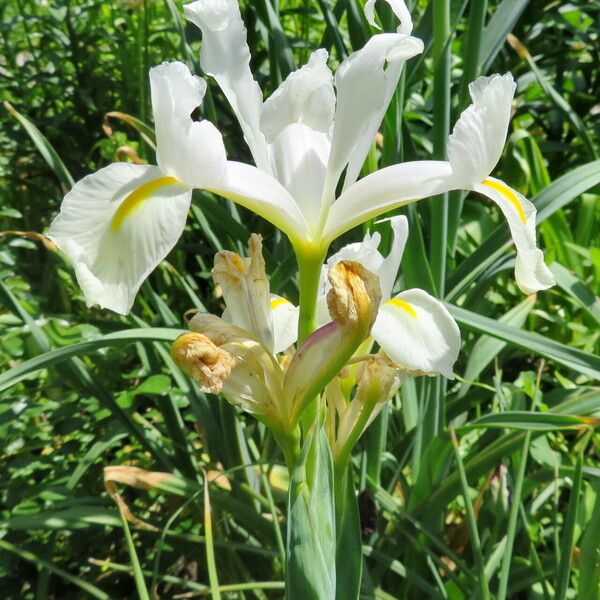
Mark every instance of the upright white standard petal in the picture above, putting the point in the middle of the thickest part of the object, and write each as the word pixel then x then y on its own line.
pixel 474 149
pixel 306 96
pixel 116 226
pixel 365 83
pixel 191 151
pixel 417 332
pixel 299 156
pixel 297 121
pixel 225 56
pixel 476 143
pixel 400 10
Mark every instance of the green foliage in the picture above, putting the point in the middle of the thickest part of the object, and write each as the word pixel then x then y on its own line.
pixel 515 502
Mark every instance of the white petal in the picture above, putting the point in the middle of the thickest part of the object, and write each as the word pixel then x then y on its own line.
pixel 388 271
pixel 475 145
pixel 306 97
pixel 416 331
pixel 365 252
pixel 192 152
pixel 225 56
pixel 365 83
pixel 116 226
pixel 299 155
pixel 256 190
pixel 385 190
pixel 531 272
pixel 399 9
pixel 285 323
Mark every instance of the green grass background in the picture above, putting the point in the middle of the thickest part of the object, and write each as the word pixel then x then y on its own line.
pixel 511 512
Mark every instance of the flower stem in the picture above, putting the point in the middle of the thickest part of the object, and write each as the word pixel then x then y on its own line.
pixel 309 266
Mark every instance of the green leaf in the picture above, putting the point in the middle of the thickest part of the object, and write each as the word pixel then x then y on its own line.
pixel 310 573
pixel 487 348
pixel 118 338
pixel 48 153
pixel 499 26
pixel 87 587
pixel 522 419
pixel 532 342
pixel 589 567
pixel 348 558
pixel 568 540
pixel 577 290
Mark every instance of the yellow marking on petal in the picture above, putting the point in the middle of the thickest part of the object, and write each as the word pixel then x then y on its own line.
pixel 277 302
pixel 508 194
pixel 135 200
pixel 405 306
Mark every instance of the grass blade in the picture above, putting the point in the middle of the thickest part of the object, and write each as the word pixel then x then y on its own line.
pixel 568 540
pixel 512 520
pixel 577 290
pixel 90 589
pixel 210 550
pixel 48 153
pixel 484 590
pixel 532 342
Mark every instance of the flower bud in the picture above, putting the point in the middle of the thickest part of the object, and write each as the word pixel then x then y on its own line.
pixel 353 302
pixel 377 380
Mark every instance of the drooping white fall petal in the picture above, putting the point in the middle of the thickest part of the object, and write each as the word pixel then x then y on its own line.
pixel 261 193
pixel 385 190
pixel 116 225
pixel 418 333
pixel 474 149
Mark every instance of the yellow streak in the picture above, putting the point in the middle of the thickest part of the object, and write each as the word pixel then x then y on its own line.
pixel 508 194
pixel 276 302
pixel 135 200
pixel 405 306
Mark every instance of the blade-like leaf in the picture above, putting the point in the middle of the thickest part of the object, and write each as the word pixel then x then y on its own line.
pixel 311 523
pixel 48 153
pixel 532 342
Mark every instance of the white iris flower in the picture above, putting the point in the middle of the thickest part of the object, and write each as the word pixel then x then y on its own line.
pixel 119 223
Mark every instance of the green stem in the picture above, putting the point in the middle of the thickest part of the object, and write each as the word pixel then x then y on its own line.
pixel 309 266
pixel 441 127
pixel 512 521
pixel 439 205
pixel 471 68
pixel 484 592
